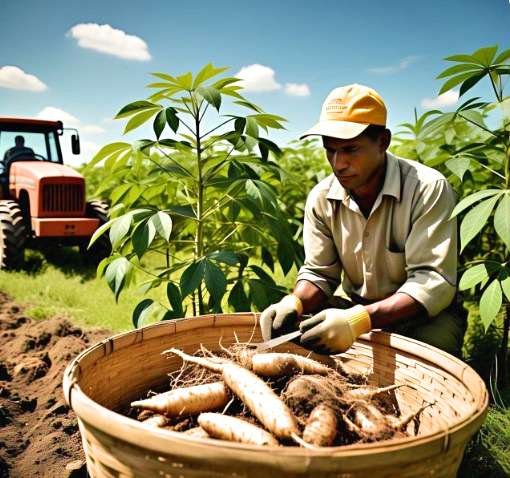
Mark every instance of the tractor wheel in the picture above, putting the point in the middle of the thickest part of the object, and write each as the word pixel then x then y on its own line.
pixel 12 235
pixel 102 247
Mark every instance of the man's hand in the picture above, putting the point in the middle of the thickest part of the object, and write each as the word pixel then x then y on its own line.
pixel 281 317
pixel 333 331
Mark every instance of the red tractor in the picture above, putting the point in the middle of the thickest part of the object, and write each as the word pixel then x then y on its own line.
pixel 41 199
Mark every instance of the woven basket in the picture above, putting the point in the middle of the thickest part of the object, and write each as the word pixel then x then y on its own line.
pixel 112 373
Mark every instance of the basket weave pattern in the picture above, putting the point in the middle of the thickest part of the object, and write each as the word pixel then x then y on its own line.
pixel 112 373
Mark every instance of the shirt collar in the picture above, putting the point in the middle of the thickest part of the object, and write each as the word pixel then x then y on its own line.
pixel 391 185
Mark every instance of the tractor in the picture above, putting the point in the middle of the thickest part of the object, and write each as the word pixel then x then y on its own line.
pixel 42 201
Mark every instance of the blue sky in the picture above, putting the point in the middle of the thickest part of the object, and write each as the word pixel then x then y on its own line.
pixel 302 49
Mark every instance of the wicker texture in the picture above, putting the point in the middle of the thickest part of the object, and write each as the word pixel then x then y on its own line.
pixel 112 373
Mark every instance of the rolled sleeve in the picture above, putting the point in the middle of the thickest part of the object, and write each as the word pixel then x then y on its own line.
pixel 431 249
pixel 322 265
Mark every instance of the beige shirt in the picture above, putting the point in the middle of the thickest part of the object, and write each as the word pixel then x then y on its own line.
pixel 408 243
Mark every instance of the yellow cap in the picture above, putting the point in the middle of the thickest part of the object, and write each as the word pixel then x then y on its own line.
pixel 348 111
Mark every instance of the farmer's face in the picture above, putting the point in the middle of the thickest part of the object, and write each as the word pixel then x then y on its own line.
pixel 356 162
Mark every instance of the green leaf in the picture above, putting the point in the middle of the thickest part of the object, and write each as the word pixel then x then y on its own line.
pixel 502 57
pixel 485 55
pixel 163 224
pixel 172 119
pixel 273 147
pixel 262 274
pixel 470 82
pixel 207 72
pixel 118 193
pixel 119 229
pixel 185 81
pixel 267 258
pixel 185 211
pixel 502 220
pixel 490 303
pixel 457 69
pixel 249 104
pixel 135 107
pixel 159 123
pixel 238 299
pixel 472 198
pixel 174 298
pixel 140 119
pixel 191 278
pixel 258 294
pixel 505 285
pixel 473 276
pixel 456 80
pixel 458 165
pixel 211 95
pixel 142 237
pixel 252 128
pixel 475 220
pixel 216 283
pixel 463 58
pixel 116 274
pixel 285 257
pixel 99 232
pixel 165 76
pixel 106 151
pixel 227 257
pixel 141 311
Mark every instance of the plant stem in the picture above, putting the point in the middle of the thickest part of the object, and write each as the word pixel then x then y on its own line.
pixel 503 351
pixel 199 238
pixel 498 97
pixel 479 125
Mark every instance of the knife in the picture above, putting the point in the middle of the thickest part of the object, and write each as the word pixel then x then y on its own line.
pixel 269 344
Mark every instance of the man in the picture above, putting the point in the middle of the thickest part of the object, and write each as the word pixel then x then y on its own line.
pixel 378 226
pixel 18 149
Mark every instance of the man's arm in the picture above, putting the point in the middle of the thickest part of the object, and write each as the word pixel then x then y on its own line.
pixel 394 309
pixel 312 297
pixel 383 313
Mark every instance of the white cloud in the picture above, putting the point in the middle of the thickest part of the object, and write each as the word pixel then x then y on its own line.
pixel 297 89
pixel 448 98
pixel 391 69
pixel 56 114
pixel 257 78
pixel 106 39
pixel 15 78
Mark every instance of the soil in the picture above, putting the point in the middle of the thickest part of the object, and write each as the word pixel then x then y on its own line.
pixel 39 434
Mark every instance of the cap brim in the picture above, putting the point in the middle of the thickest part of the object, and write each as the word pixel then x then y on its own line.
pixel 336 129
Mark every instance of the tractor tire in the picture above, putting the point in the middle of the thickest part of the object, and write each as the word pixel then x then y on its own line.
pixel 102 247
pixel 13 236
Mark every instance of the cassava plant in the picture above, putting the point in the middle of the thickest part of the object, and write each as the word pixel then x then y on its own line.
pixel 195 209
pixel 487 161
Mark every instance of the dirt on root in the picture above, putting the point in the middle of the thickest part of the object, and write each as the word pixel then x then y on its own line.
pixel 39 434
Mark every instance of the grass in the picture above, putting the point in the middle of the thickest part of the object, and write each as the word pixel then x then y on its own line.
pixel 62 285
pixel 59 283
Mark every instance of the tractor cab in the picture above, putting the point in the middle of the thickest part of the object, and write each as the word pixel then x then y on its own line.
pixel 41 199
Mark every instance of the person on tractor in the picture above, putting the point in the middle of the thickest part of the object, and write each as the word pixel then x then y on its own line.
pixel 19 149
pixel 380 247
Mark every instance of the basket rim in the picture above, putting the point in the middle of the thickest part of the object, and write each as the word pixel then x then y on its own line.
pixel 134 432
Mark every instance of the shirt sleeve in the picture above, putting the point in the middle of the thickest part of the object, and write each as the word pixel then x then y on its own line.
pixel 322 265
pixel 431 249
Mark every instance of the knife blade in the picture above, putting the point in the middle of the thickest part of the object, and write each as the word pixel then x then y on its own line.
pixel 271 343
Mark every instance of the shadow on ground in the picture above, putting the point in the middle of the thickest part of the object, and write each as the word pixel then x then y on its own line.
pixel 66 259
